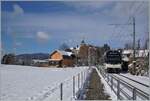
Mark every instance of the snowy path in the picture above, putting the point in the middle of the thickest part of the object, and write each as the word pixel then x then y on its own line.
pixel 19 83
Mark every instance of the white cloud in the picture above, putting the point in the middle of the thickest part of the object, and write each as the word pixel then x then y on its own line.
pixel 118 9
pixel 89 5
pixel 23 35
pixel 18 43
pixel 125 9
pixel 42 36
pixel 18 10
pixel 75 26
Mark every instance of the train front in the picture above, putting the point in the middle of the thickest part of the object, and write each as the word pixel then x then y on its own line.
pixel 112 61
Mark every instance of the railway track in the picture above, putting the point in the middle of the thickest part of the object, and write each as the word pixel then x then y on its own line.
pixel 126 87
pixel 141 86
pixel 144 84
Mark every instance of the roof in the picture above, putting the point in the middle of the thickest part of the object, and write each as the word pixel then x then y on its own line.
pixel 125 59
pixel 78 48
pixel 71 48
pixel 64 53
pixel 127 52
pixel 36 60
pixel 139 53
pixel 54 59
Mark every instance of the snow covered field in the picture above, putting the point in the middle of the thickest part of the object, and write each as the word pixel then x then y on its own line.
pixel 20 83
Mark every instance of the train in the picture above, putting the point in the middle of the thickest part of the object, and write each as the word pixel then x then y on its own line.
pixel 114 62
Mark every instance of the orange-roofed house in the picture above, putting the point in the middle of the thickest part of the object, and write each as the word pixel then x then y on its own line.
pixel 60 58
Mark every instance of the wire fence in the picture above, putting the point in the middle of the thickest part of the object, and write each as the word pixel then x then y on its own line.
pixel 123 89
pixel 66 90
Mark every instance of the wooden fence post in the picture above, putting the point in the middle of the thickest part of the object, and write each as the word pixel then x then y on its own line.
pixel 108 77
pixel 118 89
pixel 61 91
pixel 82 78
pixel 73 86
pixel 78 80
pixel 134 93
pixel 84 75
pixel 111 83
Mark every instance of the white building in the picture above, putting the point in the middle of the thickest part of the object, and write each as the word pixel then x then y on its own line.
pixel 138 53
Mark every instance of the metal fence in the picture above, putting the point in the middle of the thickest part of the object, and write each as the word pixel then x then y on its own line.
pixel 123 89
pixel 68 89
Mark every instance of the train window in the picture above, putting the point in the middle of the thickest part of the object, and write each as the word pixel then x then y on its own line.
pixel 113 57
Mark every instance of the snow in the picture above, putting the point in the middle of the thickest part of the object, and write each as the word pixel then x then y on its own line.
pixel 20 83
pixel 142 79
pixel 65 53
pixel 125 58
pixel 107 87
pixel 139 53
pixel 135 84
pixel 129 91
pixel 113 66
pixel 126 88
pixel 127 52
pixel 37 60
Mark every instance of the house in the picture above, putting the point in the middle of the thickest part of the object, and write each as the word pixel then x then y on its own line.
pixel 138 53
pixel 40 63
pixel 61 58
pixel 142 53
pixel 87 54
pixel 127 53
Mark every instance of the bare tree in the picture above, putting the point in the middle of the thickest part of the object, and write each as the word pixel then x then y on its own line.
pixel 146 44
pixel 8 59
pixel 63 46
pixel 127 46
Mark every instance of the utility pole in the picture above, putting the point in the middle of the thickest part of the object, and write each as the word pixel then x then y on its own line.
pixel 134 45
pixel 14 46
pixel 139 46
pixel 89 56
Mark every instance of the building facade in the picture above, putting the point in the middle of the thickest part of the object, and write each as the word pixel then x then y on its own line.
pixel 61 59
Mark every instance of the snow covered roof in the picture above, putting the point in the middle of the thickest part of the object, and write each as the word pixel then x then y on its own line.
pixel 71 48
pixel 78 48
pixel 125 59
pixel 54 59
pixel 142 53
pixel 65 53
pixel 127 51
pixel 35 60
pixel 139 53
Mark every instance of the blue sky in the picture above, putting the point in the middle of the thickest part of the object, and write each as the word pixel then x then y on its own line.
pixel 44 26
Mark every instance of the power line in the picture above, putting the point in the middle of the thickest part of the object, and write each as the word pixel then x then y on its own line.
pixel 128 22
pixel 122 26
pixel 138 8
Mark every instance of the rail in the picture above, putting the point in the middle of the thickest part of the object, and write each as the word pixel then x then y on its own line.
pixel 123 89
pixel 135 81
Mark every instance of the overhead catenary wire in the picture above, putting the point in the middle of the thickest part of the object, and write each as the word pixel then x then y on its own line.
pixel 133 7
